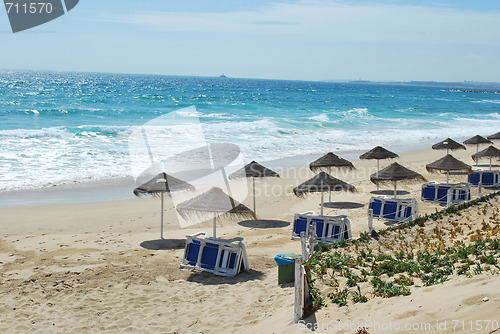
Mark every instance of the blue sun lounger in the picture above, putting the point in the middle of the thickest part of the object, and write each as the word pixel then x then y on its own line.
pixel 329 229
pixel 484 178
pixel 393 209
pixel 446 193
pixel 219 256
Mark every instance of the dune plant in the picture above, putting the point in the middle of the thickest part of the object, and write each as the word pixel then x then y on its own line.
pixel 408 255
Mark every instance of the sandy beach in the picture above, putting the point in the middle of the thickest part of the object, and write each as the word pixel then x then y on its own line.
pixel 95 267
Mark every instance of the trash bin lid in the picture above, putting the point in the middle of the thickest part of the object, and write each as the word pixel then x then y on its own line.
pixel 283 259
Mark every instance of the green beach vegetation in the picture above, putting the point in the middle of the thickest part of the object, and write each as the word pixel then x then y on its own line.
pixel 459 240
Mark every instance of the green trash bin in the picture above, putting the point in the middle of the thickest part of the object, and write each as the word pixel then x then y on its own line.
pixel 286 267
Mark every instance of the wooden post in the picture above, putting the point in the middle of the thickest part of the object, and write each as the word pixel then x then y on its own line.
pixel 303 244
pixel 370 220
pixel 311 238
pixel 479 193
pixel 298 307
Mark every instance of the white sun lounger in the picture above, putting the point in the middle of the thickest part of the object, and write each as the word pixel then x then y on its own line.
pixel 224 257
pixel 328 229
pixel 393 209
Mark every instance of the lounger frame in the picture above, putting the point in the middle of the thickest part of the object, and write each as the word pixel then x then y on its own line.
pixel 490 178
pixel 224 257
pixel 329 229
pixel 393 209
pixel 447 193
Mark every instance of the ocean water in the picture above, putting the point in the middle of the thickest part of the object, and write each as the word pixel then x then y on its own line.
pixel 67 128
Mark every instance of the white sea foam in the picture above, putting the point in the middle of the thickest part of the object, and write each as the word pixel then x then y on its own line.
pixel 320 118
pixel 487 101
pixel 45 157
pixel 356 112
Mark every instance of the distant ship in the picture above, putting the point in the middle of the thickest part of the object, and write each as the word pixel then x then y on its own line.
pixel 222 76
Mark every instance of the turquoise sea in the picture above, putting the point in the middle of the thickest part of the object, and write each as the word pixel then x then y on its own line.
pixel 62 128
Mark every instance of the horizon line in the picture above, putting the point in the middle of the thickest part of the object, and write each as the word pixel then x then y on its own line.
pixel 368 81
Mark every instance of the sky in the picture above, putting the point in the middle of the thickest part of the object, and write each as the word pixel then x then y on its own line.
pixel 391 40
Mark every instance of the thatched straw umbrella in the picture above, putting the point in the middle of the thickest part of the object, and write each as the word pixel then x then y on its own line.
pixel 378 153
pixel 212 203
pixel 160 185
pixel 396 173
pixel 495 136
pixel 328 162
pixel 321 183
pixel 489 152
pixel 253 170
pixel 448 144
pixel 477 140
pixel 448 163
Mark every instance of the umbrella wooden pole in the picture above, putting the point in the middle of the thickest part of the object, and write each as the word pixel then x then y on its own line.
pixel 322 203
pixel 378 170
pixel 215 226
pixel 490 163
pixel 330 192
pixel 395 191
pixel 330 196
pixel 447 177
pixel 253 188
pixel 161 216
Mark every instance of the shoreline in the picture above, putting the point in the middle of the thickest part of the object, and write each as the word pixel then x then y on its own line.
pixel 121 188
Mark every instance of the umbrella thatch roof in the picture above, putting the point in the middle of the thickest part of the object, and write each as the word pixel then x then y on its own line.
pixel 253 169
pixel 396 172
pixel 214 201
pixel 494 136
pixel 477 139
pixel 448 144
pixel 378 153
pixel 162 183
pixel 330 160
pixel 489 152
pixel 448 163
pixel 321 183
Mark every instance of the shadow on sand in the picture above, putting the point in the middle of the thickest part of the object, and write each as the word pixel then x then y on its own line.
pixel 311 322
pixel 263 223
pixel 389 192
pixel 163 244
pixel 206 278
pixel 487 166
pixel 343 205
pixel 456 173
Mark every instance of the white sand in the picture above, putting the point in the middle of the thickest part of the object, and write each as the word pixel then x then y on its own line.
pixel 81 268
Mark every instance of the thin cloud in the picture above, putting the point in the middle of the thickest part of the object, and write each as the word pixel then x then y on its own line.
pixel 334 21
